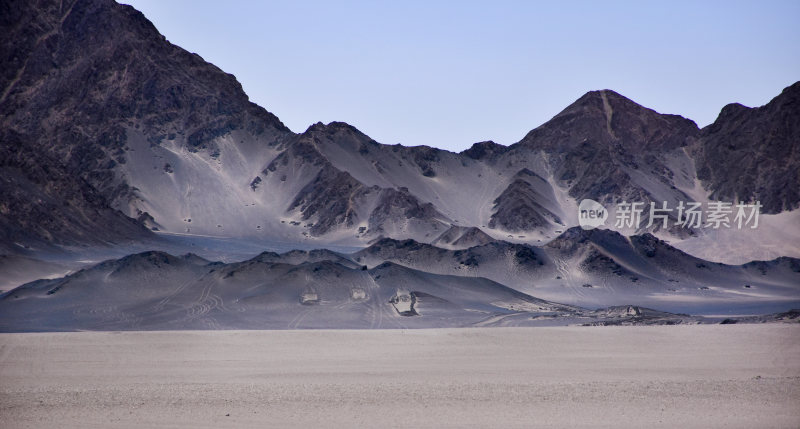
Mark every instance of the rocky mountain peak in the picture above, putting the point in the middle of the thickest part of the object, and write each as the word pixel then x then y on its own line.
pixel 486 149
pixel 81 76
pixel 606 118
pixel 751 154
pixel 340 132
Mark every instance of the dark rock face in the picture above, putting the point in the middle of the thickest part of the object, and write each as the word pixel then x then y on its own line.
pixel 386 248
pixel 340 133
pixel 483 150
pixel 82 72
pixel 296 257
pixel 576 238
pixel 463 237
pixel 254 184
pixel 135 264
pixel 754 154
pixel 300 149
pixel 596 262
pixel 520 207
pixel 329 198
pixel 415 254
pixel 608 118
pixel 43 205
pixel 397 206
pixel 76 76
pixel 335 198
pixel 597 140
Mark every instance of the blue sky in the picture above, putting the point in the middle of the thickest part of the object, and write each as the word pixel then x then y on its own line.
pixel 448 74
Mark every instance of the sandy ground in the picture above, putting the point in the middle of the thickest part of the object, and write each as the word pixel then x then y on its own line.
pixel 667 376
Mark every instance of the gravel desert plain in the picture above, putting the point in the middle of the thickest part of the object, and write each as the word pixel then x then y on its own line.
pixel 701 376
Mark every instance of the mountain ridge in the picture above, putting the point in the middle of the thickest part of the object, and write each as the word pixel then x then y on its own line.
pixel 174 142
pixel 391 285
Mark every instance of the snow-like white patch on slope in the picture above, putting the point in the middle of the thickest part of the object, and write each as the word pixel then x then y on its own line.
pixel 201 194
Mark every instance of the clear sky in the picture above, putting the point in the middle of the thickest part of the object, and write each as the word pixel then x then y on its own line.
pixel 451 73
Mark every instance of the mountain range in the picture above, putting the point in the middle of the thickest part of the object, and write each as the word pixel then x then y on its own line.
pixel 579 278
pixel 111 136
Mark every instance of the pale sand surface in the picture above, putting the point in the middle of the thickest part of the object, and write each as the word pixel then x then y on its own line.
pixel 744 376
